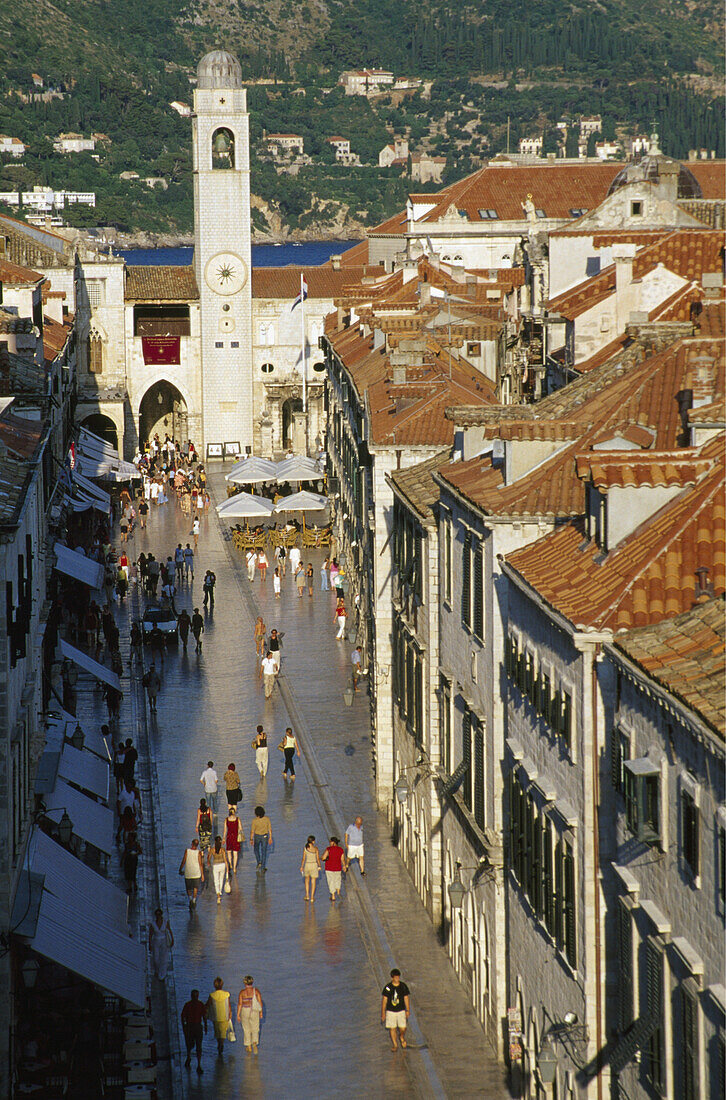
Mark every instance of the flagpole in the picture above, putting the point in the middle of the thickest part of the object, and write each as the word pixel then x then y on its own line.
pixel 304 358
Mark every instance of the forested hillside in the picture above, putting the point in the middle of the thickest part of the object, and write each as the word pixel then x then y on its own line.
pixel 498 67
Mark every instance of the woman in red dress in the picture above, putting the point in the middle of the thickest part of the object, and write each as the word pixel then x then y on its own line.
pixel 233 836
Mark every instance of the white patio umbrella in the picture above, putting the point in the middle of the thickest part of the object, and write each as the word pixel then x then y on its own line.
pixel 252 470
pixel 302 502
pixel 298 468
pixel 245 506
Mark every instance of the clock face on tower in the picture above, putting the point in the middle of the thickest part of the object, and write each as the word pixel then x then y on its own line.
pixel 225 273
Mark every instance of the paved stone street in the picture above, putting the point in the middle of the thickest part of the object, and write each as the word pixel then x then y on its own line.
pixel 319 966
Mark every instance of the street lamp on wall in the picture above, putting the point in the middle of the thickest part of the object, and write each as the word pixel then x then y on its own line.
pixel 457 890
pixel 65 828
pixel 29 971
pixel 546 1063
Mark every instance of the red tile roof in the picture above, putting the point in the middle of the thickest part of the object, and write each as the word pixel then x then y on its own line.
pixel 15 274
pixel 631 469
pixel 323 281
pixel 685 655
pixel 711 174
pixel 160 283
pixel 650 575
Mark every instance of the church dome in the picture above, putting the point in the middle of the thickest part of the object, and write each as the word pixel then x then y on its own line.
pixel 654 164
pixel 219 69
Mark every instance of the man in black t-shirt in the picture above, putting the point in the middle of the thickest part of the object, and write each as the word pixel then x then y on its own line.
pixel 396 1008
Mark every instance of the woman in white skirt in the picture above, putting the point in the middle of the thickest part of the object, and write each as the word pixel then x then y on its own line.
pixel 161 939
pixel 218 860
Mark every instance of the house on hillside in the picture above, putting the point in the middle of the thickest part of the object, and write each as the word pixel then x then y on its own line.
pixel 11 146
pixel 74 143
pixel 343 154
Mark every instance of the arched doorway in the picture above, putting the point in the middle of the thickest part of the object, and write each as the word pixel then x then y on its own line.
pixel 163 411
pixel 102 426
pixel 289 408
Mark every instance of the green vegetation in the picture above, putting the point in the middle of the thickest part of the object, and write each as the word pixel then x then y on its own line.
pixel 496 66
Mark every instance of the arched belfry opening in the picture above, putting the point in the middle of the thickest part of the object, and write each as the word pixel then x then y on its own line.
pixel 163 411
pixel 223 148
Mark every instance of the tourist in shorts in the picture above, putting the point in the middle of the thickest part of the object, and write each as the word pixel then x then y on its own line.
pixel 396 1008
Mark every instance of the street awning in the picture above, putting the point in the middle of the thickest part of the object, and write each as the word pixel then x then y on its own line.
pixel 89 489
pixel 93 444
pixel 85 770
pixel 78 566
pixel 67 878
pixel 89 664
pixel 92 822
pixel 60 725
pixel 108 469
pixel 73 936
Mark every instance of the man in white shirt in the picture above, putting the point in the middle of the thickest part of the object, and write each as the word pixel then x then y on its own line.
pixel 209 781
pixel 354 843
pixel 295 557
pixel 269 672
pixel 251 564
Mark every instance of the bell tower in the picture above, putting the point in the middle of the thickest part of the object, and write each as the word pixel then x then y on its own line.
pixel 222 248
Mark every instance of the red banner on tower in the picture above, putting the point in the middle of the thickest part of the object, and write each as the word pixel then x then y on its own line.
pixel 162 351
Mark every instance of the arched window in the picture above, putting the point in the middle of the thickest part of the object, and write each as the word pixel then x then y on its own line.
pixel 223 148
pixel 95 354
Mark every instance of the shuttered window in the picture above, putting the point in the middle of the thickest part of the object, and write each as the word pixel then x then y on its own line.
pixel 535 878
pixel 479 592
pixel 418 721
pixel 566 724
pixel 690 832
pixel 410 685
pixel 466 582
pixel 690 1062
pixel 721 870
pixel 568 886
pixel 559 907
pixel 466 757
pixel 548 885
pixel 619 753
pixel 479 774
pixel 447 561
pixel 445 703
pixel 625 965
pixel 653 1061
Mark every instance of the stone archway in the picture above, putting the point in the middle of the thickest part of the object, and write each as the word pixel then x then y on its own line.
pixel 103 426
pixel 163 411
pixel 291 425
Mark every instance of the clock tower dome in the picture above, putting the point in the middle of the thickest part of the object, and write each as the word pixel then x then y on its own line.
pixel 222 249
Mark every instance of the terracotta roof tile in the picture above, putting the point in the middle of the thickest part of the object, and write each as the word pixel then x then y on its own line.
pixel 686 655
pixel 323 281
pixel 15 274
pixel 711 174
pixel 160 283
pixel 629 469
pixel 663 554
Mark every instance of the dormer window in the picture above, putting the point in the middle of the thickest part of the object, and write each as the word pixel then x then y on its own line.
pixel 488 215
pixel 596 517
pixel 578 211
pixel 540 212
pixel 636 210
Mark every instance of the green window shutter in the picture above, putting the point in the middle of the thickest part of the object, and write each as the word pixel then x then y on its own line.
pixel 689 826
pixel 479 775
pixel 631 801
pixel 568 875
pixel 566 724
pixel 466 757
pixel 556 711
pixel 689 1006
pixel 559 900
pixel 418 693
pixel 545 698
pixel 410 683
pixel 625 965
pixel 535 895
pixel 654 1001
pixel 548 884
pixel 615 760
pixel 466 581
pixel 479 592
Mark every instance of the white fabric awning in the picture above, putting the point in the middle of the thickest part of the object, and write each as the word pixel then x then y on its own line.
pixel 92 822
pixel 89 488
pixel 89 664
pixel 93 444
pixel 73 936
pixel 66 877
pixel 109 469
pixel 61 725
pixel 78 566
pixel 85 770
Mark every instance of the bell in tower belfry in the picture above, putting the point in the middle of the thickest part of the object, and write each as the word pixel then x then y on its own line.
pixel 223 148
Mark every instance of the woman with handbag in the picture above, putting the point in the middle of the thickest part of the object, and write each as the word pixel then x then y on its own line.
pixel 249 1011
pixel 289 746
pixel 219 1010
pixel 204 824
pixel 232 783
pixel 218 860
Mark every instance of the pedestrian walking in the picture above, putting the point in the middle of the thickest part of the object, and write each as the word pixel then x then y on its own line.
pixel 218 860
pixel 334 859
pixel 355 660
pixel 276 583
pixel 396 1008
pixel 249 1012
pixel 261 837
pixel 295 558
pixel 269 672
pixel 341 582
pixel 339 618
pixel 179 563
pixel 219 1011
pixel 233 837
pixel 205 825
pixel 210 579
pixel 310 578
pixel 189 562
pixel 275 646
pixel 192 867
pixel 193 1016
pixel 232 783
pixel 197 629
pixel 324 583
pixel 354 844
pixel 251 559
pixel 281 558
pixel 195 531
pixel 136 640
pixel 262 564
pixel 184 623
pixel 210 781
pixel 161 940
pixel 131 758
pixel 259 744
pixel 130 861
pixel 333 572
pixel 143 512
pixel 289 747
pixel 300 580
pixel 310 867
pixel 152 682
pixel 259 635
pixel 119 754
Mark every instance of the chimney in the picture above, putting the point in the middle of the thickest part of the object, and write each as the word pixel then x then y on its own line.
pixel 623 256
pixel 712 283
pixel 399 375
pixel 424 294
pixel 704 587
pixel 335 261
